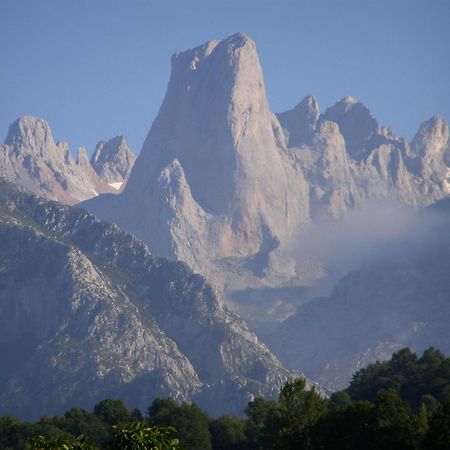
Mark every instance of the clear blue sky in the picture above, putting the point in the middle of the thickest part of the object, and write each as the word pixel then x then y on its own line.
pixel 97 68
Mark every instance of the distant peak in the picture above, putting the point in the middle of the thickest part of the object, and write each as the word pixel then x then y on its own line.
pixel 238 39
pixel 29 130
pixel 348 100
pixel 82 156
pixel 309 103
pixel 192 57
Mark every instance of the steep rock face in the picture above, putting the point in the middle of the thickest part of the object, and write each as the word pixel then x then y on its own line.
pixel 215 121
pixel 431 149
pixel 31 159
pixel 113 161
pixel 225 185
pixel 357 125
pixel 300 122
pixel 401 299
pixel 327 168
pixel 87 312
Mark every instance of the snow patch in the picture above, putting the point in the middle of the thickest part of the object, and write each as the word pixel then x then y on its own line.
pixel 117 185
pixel 447 179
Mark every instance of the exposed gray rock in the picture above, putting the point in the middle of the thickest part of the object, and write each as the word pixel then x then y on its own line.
pixel 219 173
pixel 31 159
pixel 88 313
pixel 357 125
pixel 300 122
pixel 238 181
pixel 113 161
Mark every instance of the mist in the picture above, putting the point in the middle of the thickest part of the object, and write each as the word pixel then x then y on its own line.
pixel 377 231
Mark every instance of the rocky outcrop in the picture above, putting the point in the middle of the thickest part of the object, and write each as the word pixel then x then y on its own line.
pixel 216 124
pixel 113 161
pixel 300 122
pixel 226 186
pixel 31 159
pixel 87 313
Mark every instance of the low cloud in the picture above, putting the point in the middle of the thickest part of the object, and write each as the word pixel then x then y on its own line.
pixel 380 229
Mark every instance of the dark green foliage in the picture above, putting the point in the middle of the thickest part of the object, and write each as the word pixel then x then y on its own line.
pixel 263 423
pixel 9 432
pixel 350 427
pixel 228 433
pixel 112 412
pixel 144 436
pixel 301 419
pixel 410 377
pixel 438 436
pixel 78 421
pixel 191 423
pixel 48 443
pixel 388 423
pixel 300 409
pixel 340 398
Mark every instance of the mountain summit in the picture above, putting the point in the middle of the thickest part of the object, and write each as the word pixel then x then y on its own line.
pixel 31 159
pixel 240 186
pixel 225 185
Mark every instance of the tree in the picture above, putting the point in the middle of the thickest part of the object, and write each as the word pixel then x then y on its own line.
pixel 48 443
pixel 112 411
pixel 228 433
pixel 144 436
pixel 438 435
pixel 78 421
pixel 345 427
pixel 263 424
pixel 300 409
pixel 9 431
pixel 396 427
pixel 190 422
pixel 412 378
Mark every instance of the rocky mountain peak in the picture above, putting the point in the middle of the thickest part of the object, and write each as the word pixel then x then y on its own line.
pixel 356 124
pixel 215 120
pixel 31 159
pixel 82 157
pixel 30 134
pixel 432 137
pixel 113 161
pixel 300 122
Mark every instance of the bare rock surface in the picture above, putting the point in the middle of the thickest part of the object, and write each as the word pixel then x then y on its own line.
pixel 113 161
pixel 87 313
pixel 31 159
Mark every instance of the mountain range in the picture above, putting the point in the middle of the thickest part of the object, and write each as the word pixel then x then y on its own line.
pixel 241 195
pixel 31 159
pixel 235 184
pixel 86 312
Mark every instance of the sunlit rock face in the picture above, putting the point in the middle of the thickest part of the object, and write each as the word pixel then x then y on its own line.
pixel 31 159
pixel 113 161
pixel 236 179
pixel 226 186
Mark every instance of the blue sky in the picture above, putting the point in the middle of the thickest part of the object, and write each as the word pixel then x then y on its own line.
pixel 97 68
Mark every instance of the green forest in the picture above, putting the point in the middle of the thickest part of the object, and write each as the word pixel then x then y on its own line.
pixel 403 403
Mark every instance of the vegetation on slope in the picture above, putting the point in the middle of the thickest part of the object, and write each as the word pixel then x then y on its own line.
pixel 403 403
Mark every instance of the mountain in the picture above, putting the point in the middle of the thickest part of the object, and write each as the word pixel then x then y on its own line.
pixel 31 159
pixel 88 313
pixel 400 299
pixel 236 185
pixel 213 162
pixel 113 161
